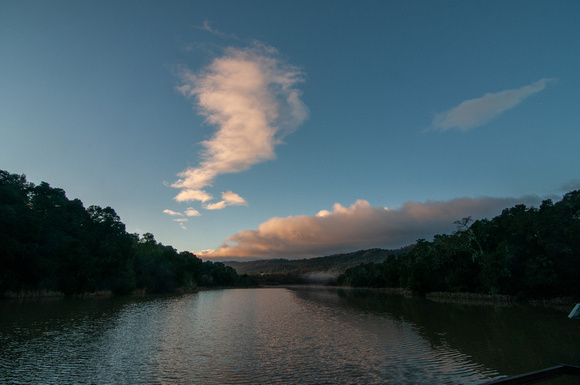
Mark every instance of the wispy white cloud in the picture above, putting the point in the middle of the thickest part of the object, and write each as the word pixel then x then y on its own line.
pixel 475 112
pixel 359 226
pixel 172 213
pixel 190 195
pixel 191 212
pixel 250 96
pixel 181 222
pixel 229 198
pixel 207 27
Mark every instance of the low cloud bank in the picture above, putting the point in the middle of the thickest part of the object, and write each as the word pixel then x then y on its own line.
pixel 360 226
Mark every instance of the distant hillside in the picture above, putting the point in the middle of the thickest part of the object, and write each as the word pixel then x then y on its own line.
pixel 335 264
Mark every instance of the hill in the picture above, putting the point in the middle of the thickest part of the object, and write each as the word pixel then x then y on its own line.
pixel 330 266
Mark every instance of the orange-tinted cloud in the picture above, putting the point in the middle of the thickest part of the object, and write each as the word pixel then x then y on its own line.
pixel 191 212
pixel 172 213
pixel 229 198
pixel 250 96
pixel 360 226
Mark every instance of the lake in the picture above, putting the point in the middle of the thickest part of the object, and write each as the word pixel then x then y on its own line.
pixel 278 335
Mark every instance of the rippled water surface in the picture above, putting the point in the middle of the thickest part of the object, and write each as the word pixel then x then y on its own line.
pixel 277 335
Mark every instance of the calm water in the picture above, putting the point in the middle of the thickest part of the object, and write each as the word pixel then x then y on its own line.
pixel 277 336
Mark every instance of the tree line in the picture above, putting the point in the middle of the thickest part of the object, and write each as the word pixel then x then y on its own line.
pixel 51 243
pixel 523 252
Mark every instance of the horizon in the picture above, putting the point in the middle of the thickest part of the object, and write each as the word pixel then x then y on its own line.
pixel 252 259
pixel 291 129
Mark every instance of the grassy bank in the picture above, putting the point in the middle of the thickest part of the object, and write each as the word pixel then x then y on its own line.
pixel 562 303
pixel 54 294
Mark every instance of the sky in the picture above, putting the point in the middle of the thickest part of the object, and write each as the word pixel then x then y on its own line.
pixel 293 129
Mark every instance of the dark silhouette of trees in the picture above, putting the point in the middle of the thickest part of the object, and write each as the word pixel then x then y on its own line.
pixel 51 243
pixel 524 252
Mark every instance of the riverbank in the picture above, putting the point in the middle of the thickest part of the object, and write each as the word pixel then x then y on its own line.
pixel 46 294
pixel 471 298
pixel 31 294
pixel 560 303
pixel 498 299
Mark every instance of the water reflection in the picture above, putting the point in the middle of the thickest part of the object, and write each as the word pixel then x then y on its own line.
pixel 511 339
pixel 400 353
pixel 276 336
pixel 44 339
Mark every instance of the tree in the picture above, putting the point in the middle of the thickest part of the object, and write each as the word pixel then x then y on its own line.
pixel 524 251
pixel 48 242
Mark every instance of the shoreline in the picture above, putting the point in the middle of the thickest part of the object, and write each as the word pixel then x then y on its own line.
pixel 440 297
pixel 499 299
pixel 101 294
pixel 562 303
pixel 49 294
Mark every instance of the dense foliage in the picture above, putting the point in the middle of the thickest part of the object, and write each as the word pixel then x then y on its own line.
pixel 525 251
pixel 51 243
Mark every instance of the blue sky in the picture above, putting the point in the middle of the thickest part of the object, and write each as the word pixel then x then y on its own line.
pixel 292 128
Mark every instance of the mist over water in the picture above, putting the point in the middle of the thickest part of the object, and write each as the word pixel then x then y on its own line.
pixel 249 336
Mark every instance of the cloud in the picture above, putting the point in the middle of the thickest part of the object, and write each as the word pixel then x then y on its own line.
pixel 360 226
pixel 214 31
pixel 571 185
pixel 191 212
pixel 181 222
pixel 475 112
pixel 250 96
pixel 172 213
pixel 229 198
pixel 189 195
